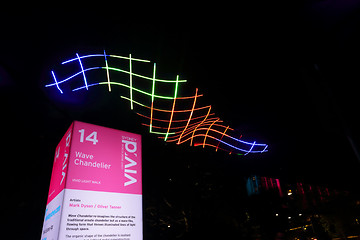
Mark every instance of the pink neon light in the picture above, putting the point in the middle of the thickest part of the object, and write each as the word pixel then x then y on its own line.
pixel 279 187
pixel 266 184
pixel 300 188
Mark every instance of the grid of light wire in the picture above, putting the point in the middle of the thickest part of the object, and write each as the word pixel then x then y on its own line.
pixel 174 118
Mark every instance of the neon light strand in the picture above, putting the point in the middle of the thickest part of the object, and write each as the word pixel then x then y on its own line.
pixel 207 115
pixel 207 132
pixel 235 145
pixel 166 120
pixel 130 80
pixel 204 125
pixel 191 113
pixel 107 72
pixel 56 83
pixel 222 135
pixel 152 96
pixel 173 107
pixel 172 117
pixel 72 76
pixel 101 55
pixel 82 70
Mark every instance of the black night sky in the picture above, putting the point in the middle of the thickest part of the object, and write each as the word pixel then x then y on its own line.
pixel 282 74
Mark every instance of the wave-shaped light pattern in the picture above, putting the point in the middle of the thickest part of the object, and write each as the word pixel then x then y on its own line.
pixel 174 118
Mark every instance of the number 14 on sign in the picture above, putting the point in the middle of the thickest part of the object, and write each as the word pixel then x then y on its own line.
pixel 92 137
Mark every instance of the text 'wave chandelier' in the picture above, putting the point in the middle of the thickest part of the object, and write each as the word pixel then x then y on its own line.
pixel 174 118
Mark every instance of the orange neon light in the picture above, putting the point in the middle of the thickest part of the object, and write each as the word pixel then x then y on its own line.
pixel 199 129
pixel 199 125
pixel 221 138
pixel 177 121
pixel 173 108
pixel 175 137
pixel 191 113
pixel 199 135
pixel 235 146
pixel 207 132
pixel 190 128
pixel 207 144
pixel 176 111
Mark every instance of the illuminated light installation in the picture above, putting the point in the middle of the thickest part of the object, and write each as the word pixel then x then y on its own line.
pixel 174 118
pixel 57 85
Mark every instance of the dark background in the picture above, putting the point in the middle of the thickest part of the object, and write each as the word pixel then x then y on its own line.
pixel 285 74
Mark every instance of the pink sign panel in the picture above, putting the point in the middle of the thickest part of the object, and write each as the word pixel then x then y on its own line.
pixel 96 186
pixel 57 182
pixel 104 159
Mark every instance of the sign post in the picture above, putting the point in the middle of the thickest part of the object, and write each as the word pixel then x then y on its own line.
pixel 95 189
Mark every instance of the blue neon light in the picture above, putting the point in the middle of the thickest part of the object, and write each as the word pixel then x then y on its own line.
pixel 86 56
pixel 72 76
pixel 56 83
pixel 243 150
pixel 90 85
pixel 251 148
pixel 82 70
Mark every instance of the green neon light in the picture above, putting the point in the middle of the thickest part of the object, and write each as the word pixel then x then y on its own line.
pixel 140 104
pixel 173 107
pixel 144 77
pixel 107 72
pixel 153 86
pixel 133 59
pixel 152 97
pixel 137 90
pixel 131 97
pixel 162 133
